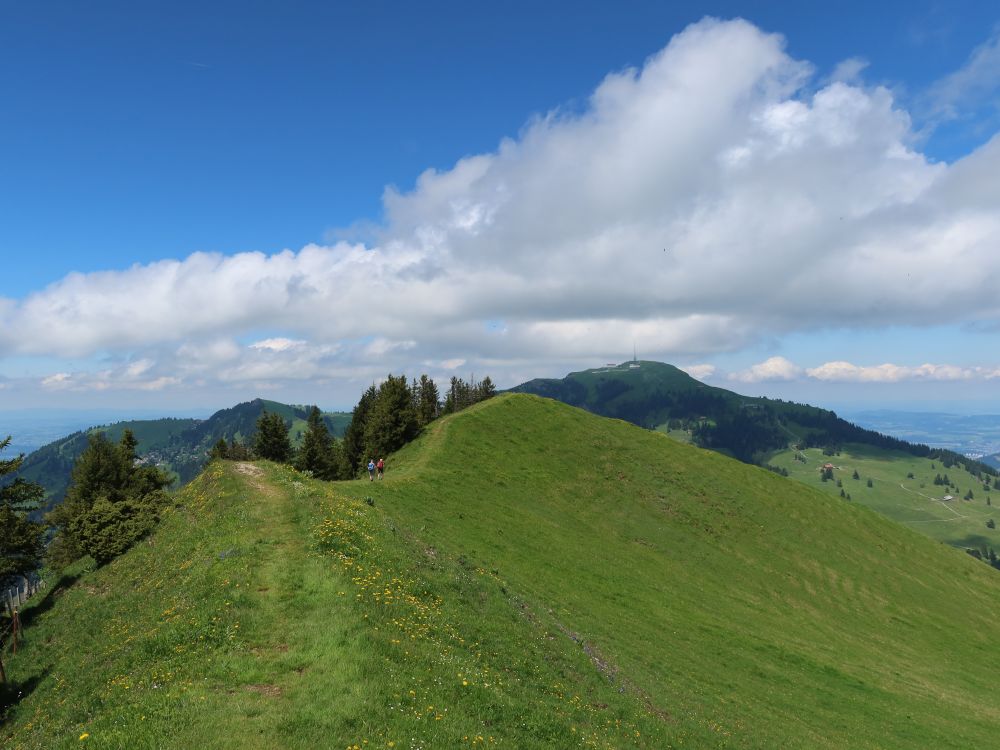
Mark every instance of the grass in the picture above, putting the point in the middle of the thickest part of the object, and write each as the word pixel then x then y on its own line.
pixel 903 489
pixel 528 575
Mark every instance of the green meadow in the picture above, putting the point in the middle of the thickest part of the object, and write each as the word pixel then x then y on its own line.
pixel 527 575
pixel 903 489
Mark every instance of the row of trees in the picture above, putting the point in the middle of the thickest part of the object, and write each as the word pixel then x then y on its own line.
pixel 114 500
pixel 390 415
pixel 386 417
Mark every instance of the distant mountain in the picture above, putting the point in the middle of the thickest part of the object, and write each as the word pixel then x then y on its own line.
pixel 660 396
pixel 180 446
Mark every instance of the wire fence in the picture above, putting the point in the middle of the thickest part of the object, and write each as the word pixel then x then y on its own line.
pixel 11 632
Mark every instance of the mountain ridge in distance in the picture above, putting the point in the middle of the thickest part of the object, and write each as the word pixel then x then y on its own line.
pixel 179 445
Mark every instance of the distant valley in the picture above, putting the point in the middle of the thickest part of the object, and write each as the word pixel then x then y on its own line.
pixel 973 435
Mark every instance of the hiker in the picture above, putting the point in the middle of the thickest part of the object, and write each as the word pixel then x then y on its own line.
pixel 371 469
pixel 381 468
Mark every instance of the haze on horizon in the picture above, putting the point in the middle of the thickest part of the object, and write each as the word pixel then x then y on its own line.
pixel 801 204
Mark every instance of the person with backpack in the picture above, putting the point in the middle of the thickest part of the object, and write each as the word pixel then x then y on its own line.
pixel 371 469
pixel 380 466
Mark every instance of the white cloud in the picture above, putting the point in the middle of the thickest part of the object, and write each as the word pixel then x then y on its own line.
pixel 849 70
pixel 774 368
pixel 845 372
pixel 57 380
pixel 700 372
pixel 697 204
pixel 970 87
pixel 277 344
pixel 839 371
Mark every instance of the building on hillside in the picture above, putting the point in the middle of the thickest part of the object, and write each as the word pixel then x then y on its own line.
pixel 947 498
pixel 831 467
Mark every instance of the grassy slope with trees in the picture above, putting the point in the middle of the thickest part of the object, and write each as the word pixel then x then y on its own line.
pixel 528 575
pixel 904 488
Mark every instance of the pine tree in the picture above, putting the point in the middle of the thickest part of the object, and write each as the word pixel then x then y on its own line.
pixel 219 451
pixel 354 435
pixel 22 541
pixel 316 454
pixel 272 441
pixel 111 503
pixel 392 421
pixel 238 451
pixel 428 401
pixel 486 389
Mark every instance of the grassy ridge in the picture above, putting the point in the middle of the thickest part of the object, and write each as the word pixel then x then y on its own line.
pixel 286 614
pixel 528 575
pixel 772 614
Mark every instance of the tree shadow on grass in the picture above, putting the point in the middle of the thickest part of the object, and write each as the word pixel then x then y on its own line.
pixel 35 609
pixel 13 692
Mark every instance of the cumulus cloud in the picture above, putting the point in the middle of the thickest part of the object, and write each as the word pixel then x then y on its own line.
pixel 774 368
pixel 709 198
pixel 845 372
pixel 782 369
pixel 700 372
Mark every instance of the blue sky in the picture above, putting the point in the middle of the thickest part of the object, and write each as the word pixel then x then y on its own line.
pixel 597 169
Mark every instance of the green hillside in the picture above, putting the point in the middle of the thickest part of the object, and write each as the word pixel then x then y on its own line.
pixel 180 446
pixel 903 488
pixel 528 575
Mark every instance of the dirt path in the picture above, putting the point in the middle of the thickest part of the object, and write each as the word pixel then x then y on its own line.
pixel 310 647
pixel 958 516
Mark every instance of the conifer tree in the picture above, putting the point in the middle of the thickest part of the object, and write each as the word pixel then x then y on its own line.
pixel 486 389
pixel 272 442
pixel 219 451
pixel 427 401
pixel 238 451
pixel 22 541
pixel 112 502
pixel 354 435
pixel 316 454
pixel 392 421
